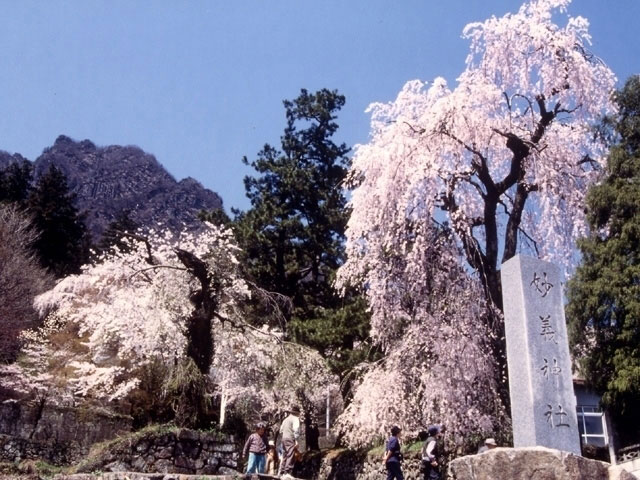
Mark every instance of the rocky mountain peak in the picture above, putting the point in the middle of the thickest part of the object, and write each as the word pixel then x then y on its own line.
pixel 109 180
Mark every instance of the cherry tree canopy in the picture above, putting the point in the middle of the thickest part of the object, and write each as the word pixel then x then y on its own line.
pixel 263 375
pixel 499 164
pixel 132 306
pixel 439 367
pixel 505 157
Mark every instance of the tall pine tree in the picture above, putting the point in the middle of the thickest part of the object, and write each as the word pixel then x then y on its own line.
pixel 15 182
pixel 63 243
pixel 293 234
pixel 604 295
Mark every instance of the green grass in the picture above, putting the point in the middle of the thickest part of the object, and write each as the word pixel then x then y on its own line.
pixel 413 446
pixel 47 470
pixel 99 451
pixel 39 468
pixel 96 456
pixel 376 451
pixel 407 449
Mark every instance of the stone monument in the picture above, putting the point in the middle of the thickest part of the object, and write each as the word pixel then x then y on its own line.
pixel 543 404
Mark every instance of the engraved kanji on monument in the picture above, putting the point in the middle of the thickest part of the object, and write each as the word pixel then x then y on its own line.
pixel 543 404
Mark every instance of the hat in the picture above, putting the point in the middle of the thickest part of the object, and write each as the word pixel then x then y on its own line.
pixel 294 409
pixel 395 430
pixel 432 430
pixel 490 441
pixel 272 443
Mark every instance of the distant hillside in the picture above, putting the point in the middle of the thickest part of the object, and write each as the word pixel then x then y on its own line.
pixel 110 179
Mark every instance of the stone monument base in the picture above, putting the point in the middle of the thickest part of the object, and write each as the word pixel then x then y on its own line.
pixel 527 463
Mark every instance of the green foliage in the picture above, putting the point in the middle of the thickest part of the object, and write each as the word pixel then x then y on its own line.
pixel 148 402
pixel 29 470
pixel 63 244
pixel 293 233
pixel 235 424
pixel 113 235
pixel 15 182
pixel 340 334
pixel 217 217
pixel 604 295
pixel 101 453
pixel 186 392
pixel 177 394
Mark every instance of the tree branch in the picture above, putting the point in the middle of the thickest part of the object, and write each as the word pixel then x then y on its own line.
pixel 479 162
pixel 419 131
pixel 154 267
pixel 151 260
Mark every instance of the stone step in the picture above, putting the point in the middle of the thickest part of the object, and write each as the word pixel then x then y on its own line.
pixel 164 476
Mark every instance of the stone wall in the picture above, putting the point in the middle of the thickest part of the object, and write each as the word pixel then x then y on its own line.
pixel 157 476
pixel 632 467
pixel 59 435
pixel 167 450
pixel 537 463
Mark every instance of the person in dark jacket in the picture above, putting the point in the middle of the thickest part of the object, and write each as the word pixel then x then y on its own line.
pixel 256 449
pixel 393 455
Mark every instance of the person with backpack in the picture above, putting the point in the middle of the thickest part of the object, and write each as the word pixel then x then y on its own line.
pixel 431 455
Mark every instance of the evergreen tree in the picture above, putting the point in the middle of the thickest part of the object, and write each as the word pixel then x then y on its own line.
pixel 63 243
pixel 217 216
pixel 293 234
pixel 114 234
pixel 15 182
pixel 604 295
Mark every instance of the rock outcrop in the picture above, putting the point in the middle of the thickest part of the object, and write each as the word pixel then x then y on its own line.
pixel 536 463
pixel 113 179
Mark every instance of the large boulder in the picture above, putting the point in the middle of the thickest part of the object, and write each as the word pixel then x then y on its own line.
pixel 535 463
pixel 624 475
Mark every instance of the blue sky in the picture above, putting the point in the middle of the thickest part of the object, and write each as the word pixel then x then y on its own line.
pixel 199 84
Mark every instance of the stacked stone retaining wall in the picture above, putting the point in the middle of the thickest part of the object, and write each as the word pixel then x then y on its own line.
pixel 57 434
pixel 177 451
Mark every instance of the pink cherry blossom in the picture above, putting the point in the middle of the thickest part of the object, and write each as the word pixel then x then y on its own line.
pixel 499 163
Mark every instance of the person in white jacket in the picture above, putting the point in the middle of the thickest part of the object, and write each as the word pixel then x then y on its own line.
pixel 430 455
pixel 290 431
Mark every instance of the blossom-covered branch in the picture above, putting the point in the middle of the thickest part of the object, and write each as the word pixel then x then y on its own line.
pixel 494 164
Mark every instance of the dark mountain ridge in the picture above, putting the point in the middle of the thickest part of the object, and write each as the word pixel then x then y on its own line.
pixel 110 180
